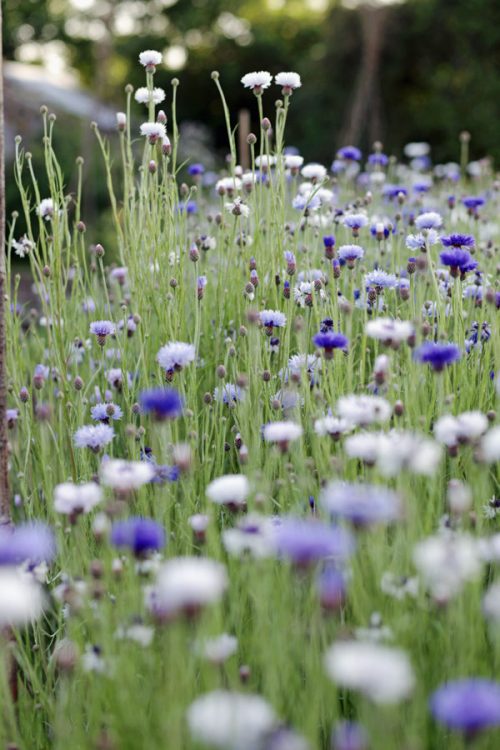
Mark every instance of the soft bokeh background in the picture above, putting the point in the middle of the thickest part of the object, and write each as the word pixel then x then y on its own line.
pixel 393 71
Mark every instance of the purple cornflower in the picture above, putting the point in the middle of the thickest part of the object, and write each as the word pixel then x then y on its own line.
pixel 304 542
pixel 163 403
pixel 468 705
pixel 438 356
pixel 458 240
pixel 102 329
pixel 330 341
pixel 473 202
pixel 291 263
pixel 329 245
pixel 105 412
pixel 394 191
pixel 11 416
pixel 331 587
pixel 349 254
pixel 229 394
pixel 141 535
pixel 349 735
pixel 378 159
pixel 33 542
pixel 380 280
pixel 459 260
pixel 349 153
pixel 362 504
pixel 94 437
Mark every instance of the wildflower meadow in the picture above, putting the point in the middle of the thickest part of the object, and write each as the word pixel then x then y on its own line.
pixel 253 444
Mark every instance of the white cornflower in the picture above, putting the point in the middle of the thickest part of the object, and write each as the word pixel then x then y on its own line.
pixel 446 562
pixel 144 96
pixel 491 604
pixel 23 246
pixel 121 120
pixel 490 446
pixel 390 332
pixel 314 172
pixel 92 661
pixel 399 586
pixel 257 81
pixel 237 208
pixel 381 673
pixel 175 356
pixel 21 598
pixel 363 410
pixel 282 433
pixel 332 426
pixel 218 650
pixel 253 535
pixel 228 185
pixel 126 476
pixel 403 450
pixel 265 162
pixel 186 584
pixel 141 634
pixel 464 428
pixel 73 499
pixel 288 81
pixel 46 209
pixel 231 490
pixel 416 150
pixel 293 161
pixel 154 131
pixel 150 58
pixel 230 721
pixel 363 446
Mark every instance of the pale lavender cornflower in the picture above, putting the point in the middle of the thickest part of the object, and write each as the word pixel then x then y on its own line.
pixel 362 504
pixel 106 411
pixel 428 220
pixel 380 280
pixel 349 254
pixel 303 202
pixel 175 356
pixel 420 241
pixel 355 222
pixel 282 433
pixel 469 705
pixel 94 437
pixel 31 542
pixel 305 541
pixel 102 329
pixel 229 394
pixel 271 319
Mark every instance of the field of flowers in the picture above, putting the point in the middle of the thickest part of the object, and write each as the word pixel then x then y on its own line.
pixel 253 448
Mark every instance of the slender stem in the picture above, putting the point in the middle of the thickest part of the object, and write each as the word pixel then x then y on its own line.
pixel 4 442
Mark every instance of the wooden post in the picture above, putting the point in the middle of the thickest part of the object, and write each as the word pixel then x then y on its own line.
pixel 4 440
pixel 243 133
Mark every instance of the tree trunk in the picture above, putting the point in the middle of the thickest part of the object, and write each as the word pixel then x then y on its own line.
pixel 4 441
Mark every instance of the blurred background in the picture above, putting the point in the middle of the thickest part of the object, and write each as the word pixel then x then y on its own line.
pixel 389 70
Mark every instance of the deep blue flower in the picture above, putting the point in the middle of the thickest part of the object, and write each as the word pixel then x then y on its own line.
pixel 330 341
pixel 392 191
pixel 438 356
pixel 326 325
pixel 458 240
pixel 350 153
pixel 141 535
pixel 196 169
pixel 33 542
pixel 473 202
pixel 468 705
pixel 190 207
pixel 163 403
pixel 306 541
pixel 459 260
pixel 329 240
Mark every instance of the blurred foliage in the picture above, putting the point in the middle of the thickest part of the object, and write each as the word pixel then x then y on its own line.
pixel 437 73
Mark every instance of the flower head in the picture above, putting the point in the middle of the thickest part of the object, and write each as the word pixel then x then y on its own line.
pixel 349 153
pixel 272 319
pixel 126 476
pixel 350 254
pixel 467 705
pixel 162 403
pixel 187 584
pixel 288 81
pixel 29 542
pixel 144 96
pixel 231 490
pixel 154 131
pixel 458 240
pixel 150 58
pixel 141 535
pixel 94 437
pixel 329 341
pixel 73 499
pixel 459 260
pixel 438 356
pixel 362 504
pixel 102 329
pixel 46 209
pixel 176 355
pixel 257 81
pixel 304 542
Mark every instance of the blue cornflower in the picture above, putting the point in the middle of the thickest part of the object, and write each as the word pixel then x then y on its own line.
pixel 306 202
pixel 458 240
pixel 326 325
pixel 162 403
pixel 349 153
pixel 229 394
pixel 331 586
pixel 349 735
pixel 459 260
pixel 196 169
pixel 329 240
pixel 189 207
pixel 329 341
pixel 141 535
pixel 467 705
pixel 393 191
pixel 473 202
pixel 438 356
